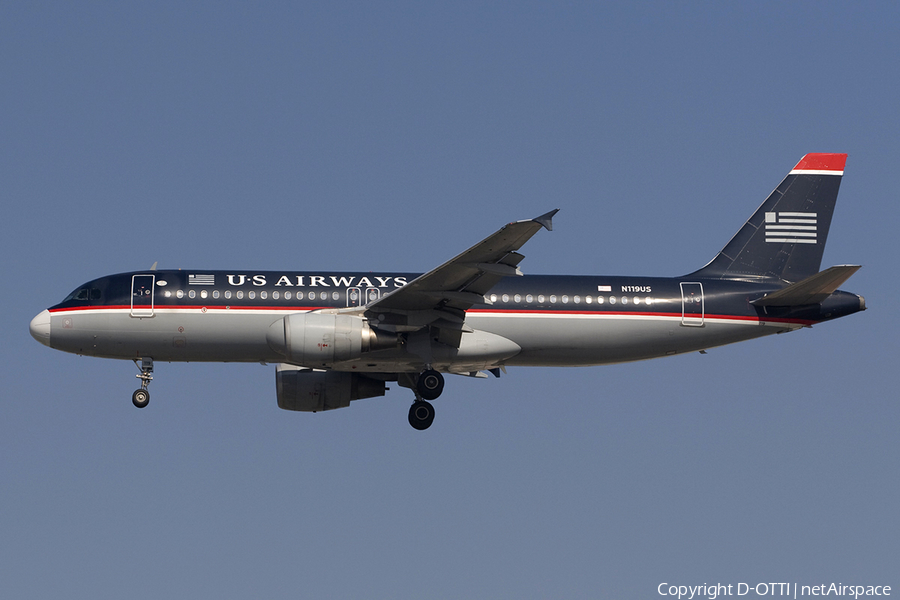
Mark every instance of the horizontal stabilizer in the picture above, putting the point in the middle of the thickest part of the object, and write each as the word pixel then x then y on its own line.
pixel 812 290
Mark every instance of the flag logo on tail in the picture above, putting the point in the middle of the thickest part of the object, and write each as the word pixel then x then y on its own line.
pixel 791 227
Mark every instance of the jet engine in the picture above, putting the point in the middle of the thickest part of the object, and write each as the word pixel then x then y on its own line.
pixel 307 390
pixel 321 339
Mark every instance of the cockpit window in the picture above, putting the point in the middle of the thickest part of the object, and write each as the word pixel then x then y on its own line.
pixel 80 294
pixel 84 294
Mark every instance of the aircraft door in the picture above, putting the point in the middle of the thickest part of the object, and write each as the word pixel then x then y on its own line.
pixel 142 295
pixel 692 304
pixel 359 296
pixel 354 297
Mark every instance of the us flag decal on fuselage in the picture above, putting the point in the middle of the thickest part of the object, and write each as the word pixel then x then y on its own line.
pixel 791 227
pixel 201 280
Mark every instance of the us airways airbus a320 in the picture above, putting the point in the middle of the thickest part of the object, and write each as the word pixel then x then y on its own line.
pixel 339 337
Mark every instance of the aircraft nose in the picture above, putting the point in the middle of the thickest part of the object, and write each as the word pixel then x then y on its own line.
pixel 40 327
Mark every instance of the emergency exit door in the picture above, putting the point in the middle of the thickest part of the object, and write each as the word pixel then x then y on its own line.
pixel 692 304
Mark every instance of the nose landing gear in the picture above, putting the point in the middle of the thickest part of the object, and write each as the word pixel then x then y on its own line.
pixel 141 397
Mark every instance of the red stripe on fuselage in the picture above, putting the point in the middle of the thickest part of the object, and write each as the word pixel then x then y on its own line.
pixel 641 314
pixel 486 311
pixel 189 307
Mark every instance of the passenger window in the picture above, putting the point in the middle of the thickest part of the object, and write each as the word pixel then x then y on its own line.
pixel 287 295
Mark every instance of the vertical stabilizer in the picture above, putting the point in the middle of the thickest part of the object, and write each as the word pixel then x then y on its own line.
pixel 785 238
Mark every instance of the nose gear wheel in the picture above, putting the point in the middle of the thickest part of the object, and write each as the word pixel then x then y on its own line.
pixel 140 398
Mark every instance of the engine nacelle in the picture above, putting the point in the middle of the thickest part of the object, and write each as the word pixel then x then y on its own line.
pixel 311 391
pixel 320 340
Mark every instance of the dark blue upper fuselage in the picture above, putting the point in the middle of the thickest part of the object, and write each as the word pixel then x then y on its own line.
pixel 532 293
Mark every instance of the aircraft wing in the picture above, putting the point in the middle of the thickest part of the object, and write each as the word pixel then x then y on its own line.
pixel 441 296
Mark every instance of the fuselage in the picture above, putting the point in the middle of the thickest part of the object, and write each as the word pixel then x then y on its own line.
pixel 553 320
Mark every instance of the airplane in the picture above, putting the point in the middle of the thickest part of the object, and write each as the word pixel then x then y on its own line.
pixel 340 337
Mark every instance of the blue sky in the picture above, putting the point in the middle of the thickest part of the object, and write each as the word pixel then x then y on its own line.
pixel 391 136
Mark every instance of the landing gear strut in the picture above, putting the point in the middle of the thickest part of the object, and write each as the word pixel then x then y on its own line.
pixel 141 397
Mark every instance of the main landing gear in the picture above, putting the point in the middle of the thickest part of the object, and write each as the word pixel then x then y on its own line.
pixel 428 386
pixel 141 397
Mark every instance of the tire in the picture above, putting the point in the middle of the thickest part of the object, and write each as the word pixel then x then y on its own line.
pixel 421 415
pixel 140 398
pixel 430 384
